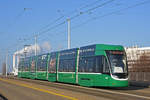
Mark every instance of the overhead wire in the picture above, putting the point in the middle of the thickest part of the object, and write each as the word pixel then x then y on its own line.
pixel 53 22
pixel 90 9
pixel 53 27
pixel 73 17
pixel 78 15
pixel 63 15
pixel 111 13
pixel 108 14
pixel 91 4
pixel 93 8
pixel 83 7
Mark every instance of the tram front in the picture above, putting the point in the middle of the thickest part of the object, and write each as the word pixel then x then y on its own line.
pixel 118 68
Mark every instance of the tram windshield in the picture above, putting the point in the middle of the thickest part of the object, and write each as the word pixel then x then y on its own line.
pixel 118 62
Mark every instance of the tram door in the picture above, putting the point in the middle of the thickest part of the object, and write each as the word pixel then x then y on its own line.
pixel 33 68
pixel 51 75
pixel 104 70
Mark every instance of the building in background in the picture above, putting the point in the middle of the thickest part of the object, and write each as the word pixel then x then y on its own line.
pixel 138 63
pixel 4 68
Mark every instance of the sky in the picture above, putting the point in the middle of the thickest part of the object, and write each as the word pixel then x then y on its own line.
pixel 117 22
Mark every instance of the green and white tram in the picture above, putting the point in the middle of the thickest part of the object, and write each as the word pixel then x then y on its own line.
pixel 93 65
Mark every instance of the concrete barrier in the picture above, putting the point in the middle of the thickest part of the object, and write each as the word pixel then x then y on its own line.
pixel 139 83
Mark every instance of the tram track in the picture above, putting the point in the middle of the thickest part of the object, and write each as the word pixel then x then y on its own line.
pixel 112 93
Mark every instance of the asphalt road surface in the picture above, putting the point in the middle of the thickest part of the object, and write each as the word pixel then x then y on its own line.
pixel 22 90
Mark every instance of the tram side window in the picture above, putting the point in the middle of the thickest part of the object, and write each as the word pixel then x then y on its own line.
pixel 23 66
pixel 20 65
pixel 99 64
pixel 52 65
pixel 106 66
pixel 38 64
pixel 33 64
pixel 91 64
pixel 86 64
pixel 44 65
pixel 67 65
pixel 26 65
pixel 41 65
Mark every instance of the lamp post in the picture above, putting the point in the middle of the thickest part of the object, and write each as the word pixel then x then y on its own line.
pixel 69 30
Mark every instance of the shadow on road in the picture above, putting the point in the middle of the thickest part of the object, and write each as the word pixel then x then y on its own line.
pixel 2 97
pixel 122 88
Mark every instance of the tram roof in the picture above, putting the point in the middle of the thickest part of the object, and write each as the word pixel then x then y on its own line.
pixel 104 47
